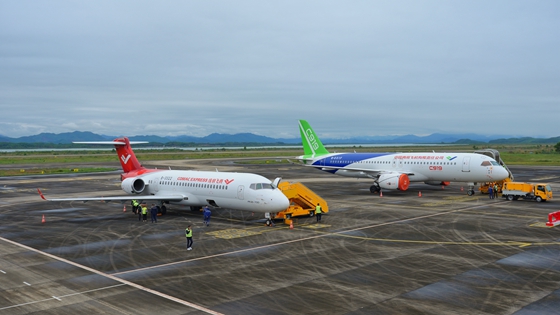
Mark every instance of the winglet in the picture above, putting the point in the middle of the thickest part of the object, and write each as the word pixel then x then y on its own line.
pixel 41 194
pixel 312 146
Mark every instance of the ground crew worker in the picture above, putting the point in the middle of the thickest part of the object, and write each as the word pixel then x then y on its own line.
pixel 490 191
pixel 188 235
pixel 495 190
pixel 153 213
pixel 139 211
pixel 144 213
pixel 318 212
pixel 207 215
pixel 135 205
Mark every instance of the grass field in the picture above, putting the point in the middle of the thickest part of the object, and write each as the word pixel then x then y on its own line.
pixel 25 163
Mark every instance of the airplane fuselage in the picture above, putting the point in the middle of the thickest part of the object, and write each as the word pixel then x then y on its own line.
pixel 240 191
pixel 420 167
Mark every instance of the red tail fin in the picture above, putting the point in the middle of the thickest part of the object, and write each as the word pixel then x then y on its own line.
pixel 128 160
pixel 130 165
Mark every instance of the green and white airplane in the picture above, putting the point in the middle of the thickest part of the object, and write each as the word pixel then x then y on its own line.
pixel 395 171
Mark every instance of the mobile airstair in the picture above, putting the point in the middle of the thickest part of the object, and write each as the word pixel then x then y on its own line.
pixel 302 202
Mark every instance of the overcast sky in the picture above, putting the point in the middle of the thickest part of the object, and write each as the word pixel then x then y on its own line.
pixel 125 68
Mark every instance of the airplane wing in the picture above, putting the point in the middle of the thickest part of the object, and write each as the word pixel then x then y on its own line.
pixel 117 198
pixel 357 169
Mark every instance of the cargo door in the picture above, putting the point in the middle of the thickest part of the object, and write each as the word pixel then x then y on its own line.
pixel 467 164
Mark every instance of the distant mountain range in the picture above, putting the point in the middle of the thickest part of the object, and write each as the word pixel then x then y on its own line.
pixel 249 138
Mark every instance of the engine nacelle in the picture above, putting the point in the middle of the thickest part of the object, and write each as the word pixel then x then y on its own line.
pixel 436 183
pixel 133 185
pixel 395 181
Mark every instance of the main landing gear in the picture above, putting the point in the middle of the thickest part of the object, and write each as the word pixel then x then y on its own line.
pixel 470 191
pixel 374 189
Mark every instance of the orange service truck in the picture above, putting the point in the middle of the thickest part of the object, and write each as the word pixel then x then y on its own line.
pixel 537 192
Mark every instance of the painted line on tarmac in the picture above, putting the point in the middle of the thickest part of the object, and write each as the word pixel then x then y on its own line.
pixel 59 298
pixel 298 240
pixel 508 243
pixel 112 277
pixel 290 241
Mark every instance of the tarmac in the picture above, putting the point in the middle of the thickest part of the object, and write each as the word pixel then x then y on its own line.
pixel 428 250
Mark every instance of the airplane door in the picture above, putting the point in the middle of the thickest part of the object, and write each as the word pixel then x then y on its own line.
pixel 155 185
pixel 240 192
pixel 466 164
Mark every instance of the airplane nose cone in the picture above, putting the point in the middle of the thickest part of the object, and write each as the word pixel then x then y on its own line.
pixel 503 173
pixel 281 202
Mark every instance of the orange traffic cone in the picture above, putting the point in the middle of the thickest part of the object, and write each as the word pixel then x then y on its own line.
pixel 419 194
pixel 380 193
pixel 43 220
pixel 291 225
pixel 442 187
pixel 124 208
pixel 461 188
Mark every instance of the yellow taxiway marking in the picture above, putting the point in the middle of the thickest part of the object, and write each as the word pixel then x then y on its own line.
pixel 314 226
pixel 506 243
pixel 504 214
pixel 450 200
pixel 319 234
pixel 233 233
pixel 540 225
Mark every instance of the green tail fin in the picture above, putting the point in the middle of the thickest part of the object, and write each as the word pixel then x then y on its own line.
pixel 312 146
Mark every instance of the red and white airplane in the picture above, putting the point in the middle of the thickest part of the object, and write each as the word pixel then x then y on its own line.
pixel 237 191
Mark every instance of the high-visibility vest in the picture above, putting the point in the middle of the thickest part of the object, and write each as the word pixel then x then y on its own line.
pixel 188 233
pixel 144 210
pixel 135 203
pixel 318 209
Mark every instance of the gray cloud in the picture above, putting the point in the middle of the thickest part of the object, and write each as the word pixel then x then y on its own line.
pixel 350 68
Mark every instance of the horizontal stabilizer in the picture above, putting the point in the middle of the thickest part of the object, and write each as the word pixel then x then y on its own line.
pixel 109 142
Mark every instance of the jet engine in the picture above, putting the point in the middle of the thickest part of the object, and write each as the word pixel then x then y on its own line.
pixel 437 183
pixel 133 185
pixel 398 181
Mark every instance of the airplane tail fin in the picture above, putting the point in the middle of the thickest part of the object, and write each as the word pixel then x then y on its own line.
pixel 312 146
pixel 128 159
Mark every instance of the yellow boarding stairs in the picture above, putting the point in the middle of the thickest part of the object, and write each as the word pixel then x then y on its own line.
pixel 302 202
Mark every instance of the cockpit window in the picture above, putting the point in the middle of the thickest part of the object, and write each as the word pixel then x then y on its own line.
pixel 258 186
pixel 486 163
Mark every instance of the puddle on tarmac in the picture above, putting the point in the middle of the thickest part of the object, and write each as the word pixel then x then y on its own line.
pixel 539 258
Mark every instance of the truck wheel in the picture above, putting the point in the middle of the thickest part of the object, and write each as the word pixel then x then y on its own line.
pixel 538 199
pixel 470 192
pixel 510 197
